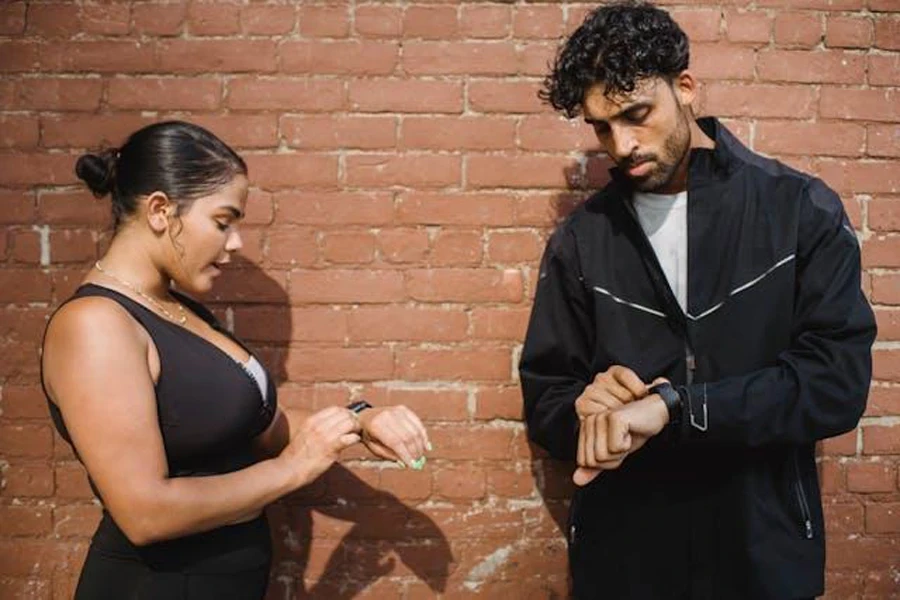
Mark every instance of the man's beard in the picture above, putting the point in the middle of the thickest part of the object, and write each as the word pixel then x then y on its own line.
pixel 675 148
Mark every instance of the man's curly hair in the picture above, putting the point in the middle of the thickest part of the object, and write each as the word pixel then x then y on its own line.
pixel 618 45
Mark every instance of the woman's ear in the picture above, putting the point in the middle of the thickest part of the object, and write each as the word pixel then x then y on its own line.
pixel 159 210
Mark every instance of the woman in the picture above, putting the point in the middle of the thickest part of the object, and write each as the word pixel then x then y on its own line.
pixel 174 419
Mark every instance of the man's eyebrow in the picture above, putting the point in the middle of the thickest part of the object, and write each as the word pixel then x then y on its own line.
pixel 636 105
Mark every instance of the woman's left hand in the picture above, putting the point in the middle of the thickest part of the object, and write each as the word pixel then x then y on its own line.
pixel 395 433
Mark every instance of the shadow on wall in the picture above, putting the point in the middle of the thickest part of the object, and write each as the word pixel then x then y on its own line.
pixel 553 478
pixel 338 536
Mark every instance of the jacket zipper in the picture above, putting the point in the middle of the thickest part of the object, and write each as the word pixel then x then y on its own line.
pixel 801 498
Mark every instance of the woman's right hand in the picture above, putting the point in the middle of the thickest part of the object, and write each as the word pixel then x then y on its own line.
pixel 318 442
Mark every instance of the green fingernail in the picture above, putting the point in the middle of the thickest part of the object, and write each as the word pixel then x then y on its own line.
pixel 401 464
pixel 418 464
pixel 428 446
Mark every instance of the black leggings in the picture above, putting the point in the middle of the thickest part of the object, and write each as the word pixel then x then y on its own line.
pixel 107 577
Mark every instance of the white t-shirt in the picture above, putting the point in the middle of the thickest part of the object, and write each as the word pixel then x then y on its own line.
pixel 663 218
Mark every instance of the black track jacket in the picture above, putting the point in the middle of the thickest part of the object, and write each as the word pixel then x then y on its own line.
pixel 775 348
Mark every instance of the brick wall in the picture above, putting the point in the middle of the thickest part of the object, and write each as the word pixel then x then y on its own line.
pixel 406 178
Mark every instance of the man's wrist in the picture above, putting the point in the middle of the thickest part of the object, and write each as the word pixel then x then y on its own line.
pixel 672 400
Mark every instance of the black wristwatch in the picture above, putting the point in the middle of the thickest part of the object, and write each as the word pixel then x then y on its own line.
pixel 358 406
pixel 672 399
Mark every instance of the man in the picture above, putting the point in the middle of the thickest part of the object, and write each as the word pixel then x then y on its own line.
pixel 730 275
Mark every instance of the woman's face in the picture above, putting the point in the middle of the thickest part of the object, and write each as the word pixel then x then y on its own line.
pixel 204 237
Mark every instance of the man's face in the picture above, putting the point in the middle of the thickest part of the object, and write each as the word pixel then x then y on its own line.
pixel 646 133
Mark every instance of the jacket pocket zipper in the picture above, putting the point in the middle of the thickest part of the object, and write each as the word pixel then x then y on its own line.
pixel 801 498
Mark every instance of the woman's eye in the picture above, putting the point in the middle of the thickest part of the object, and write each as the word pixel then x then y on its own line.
pixel 222 226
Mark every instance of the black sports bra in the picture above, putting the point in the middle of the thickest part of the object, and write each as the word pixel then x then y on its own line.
pixel 210 407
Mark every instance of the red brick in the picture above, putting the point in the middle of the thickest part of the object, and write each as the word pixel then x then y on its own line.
pixel 340 364
pixel 59 94
pixel 454 365
pixel 329 208
pixel 883 517
pixel 18 131
pixel 374 20
pixel 861 552
pixel 213 18
pixel 460 482
pixel 308 95
pixel 835 5
pixel 726 99
pixel 516 481
pixel 399 95
pixel 32 588
pixel 883 69
pixel 883 401
pixel 844 444
pixel 455 133
pixel 101 56
pixel 53 20
pixel 822 139
pixel 340 132
pixel 292 246
pixel 404 323
pixel 72 246
pixel 242 131
pixel 28 557
pixel 18 56
pixel 455 209
pixel 17 401
pixel 881 252
pixel 883 141
pixel 886 289
pixel 842 584
pixel 73 208
pixel 205 56
pixel 886 365
pixel 26 479
pixel 468 442
pixel 485 21
pixel 823 66
pixel 406 484
pixel 108 19
pixel 860 177
pixel 164 93
pixel 505 97
pixel 346 285
pixel 881 439
pixel 499 403
pixel 798 29
pixel 720 61
pixel 76 520
pixel 339 57
pixel 516 171
pixel 499 323
pixel 16 207
pixel 848 32
pixel 431 22
pixel 348 247
pixel 24 520
pixel 89 131
pixel 430 405
pixel 880 583
pixel 276 171
pixel 887 32
pixel 510 247
pixel 700 25
pixel 465 285
pixel 748 27
pixel 72 481
pixel 542 21
pixel 158 19
pixel 452 247
pixel 12 18
pixel 849 103
pixel 412 170
pixel 324 21
pixel 844 517
pixel 549 133
pixel 831 476
pixel 402 246
pixel 22 286
pixel 464 58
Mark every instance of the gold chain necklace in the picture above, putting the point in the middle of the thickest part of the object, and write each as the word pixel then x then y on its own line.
pixel 181 321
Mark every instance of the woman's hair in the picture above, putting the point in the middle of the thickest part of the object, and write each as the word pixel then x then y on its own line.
pixel 618 45
pixel 182 160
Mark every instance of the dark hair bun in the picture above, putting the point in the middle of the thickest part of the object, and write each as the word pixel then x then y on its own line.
pixel 97 171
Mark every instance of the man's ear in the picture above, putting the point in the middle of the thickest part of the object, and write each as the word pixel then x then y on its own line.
pixel 159 210
pixel 685 87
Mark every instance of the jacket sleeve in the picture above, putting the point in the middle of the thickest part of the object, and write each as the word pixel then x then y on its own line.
pixel 555 365
pixel 819 384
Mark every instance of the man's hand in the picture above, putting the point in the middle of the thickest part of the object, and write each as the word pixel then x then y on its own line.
pixel 610 389
pixel 607 438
